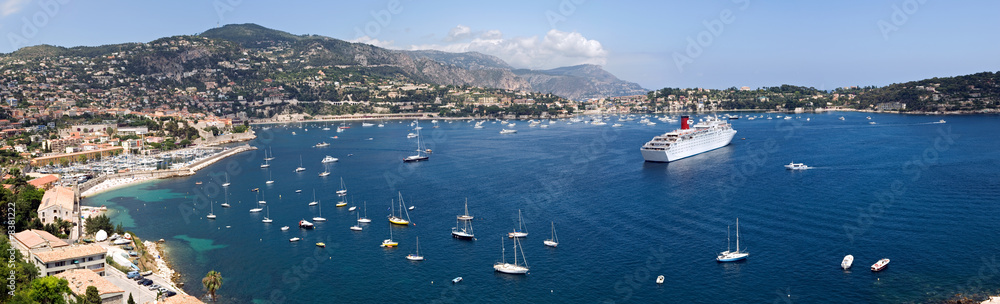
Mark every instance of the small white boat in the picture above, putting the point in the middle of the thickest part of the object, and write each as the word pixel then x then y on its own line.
pixel 411 135
pixel 211 214
pixel 357 226
pixel 871 122
pixel 304 224
pixel 300 168
pixel 616 125
pixel 796 166
pixel 415 256
pixel 352 208
pixel 869 118
pixel 508 131
pixel 367 124
pixel 388 243
pixel 846 263
pixel 941 121
pixel 320 218
pixel 322 144
pixel 554 241
pixel 466 216
pixel 364 219
pixel 880 265
pixel 256 210
pixel 267 218
pixel 456 280
pixel 841 118
pixel 411 207
pixel 519 233
pixel 659 279
pixel 329 159
pixel 343 188
pixel 285 228
pixel 294 239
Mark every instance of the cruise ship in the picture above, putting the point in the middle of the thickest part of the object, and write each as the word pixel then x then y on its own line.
pixel 689 140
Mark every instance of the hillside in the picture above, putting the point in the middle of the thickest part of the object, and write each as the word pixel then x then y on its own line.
pixel 569 81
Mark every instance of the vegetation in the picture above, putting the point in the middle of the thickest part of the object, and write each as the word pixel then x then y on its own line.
pixel 20 269
pixel 91 297
pixel 212 282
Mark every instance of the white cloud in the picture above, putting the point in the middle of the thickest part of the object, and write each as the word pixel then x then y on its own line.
pixel 555 49
pixel 12 6
pixel 459 32
pixel 373 41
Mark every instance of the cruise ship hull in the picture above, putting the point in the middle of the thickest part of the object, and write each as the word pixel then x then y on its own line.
pixel 689 148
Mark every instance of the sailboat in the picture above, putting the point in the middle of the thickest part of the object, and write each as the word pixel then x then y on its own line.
pixel 226 184
pixel 320 218
pixel 466 216
pixel 265 154
pixel 314 202
pixel 464 233
pixel 365 218
pixel 267 218
pixel 357 226
pixel 300 168
pixel 342 202
pixel 261 201
pixel 211 213
pixel 265 164
pixel 732 256
pixel 417 256
pixel 419 156
pixel 389 242
pixel 519 232
pixel 326 171
pixel 226 204
pixel 554 241
pixel 270 180
pixel 398 220
pixel 343 188
pixel 508 268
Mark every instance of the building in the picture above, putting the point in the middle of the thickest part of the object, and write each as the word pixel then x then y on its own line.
pixel 31 240
pixel 58 159
pixel 58 202
pixel 54 261
pixel 181 299
pixel 80 279
pixel 133 131
pixel 44 182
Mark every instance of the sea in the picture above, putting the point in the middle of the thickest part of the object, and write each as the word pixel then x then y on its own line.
pixel 922 193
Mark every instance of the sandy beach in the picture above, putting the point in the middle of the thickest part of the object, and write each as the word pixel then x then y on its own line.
pixel 115 183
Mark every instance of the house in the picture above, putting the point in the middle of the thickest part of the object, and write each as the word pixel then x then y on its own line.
pixel 54 261
pixel 80 279
pixel 181 299
pixel 58 202
pixel 44 182
pixel 29 240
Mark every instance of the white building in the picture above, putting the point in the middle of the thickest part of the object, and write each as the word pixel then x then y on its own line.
pixel 54 261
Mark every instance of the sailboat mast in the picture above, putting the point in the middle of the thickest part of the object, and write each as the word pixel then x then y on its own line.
pixel 737 234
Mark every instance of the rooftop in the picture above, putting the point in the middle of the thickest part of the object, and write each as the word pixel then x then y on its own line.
pixel 181 299
pixel 62 196
pixel 79 279
pixel 65 253
pixel 39 182
pixel 33 239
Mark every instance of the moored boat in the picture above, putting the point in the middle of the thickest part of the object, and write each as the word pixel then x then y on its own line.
pixel 846 263
pixel 880 265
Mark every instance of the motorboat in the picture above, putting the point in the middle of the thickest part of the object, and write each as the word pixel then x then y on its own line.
pixel 285 228
pixel 456 280
pixel 508 131
pixel 880 265
pixel 846 263
pixel 294 239
pixel 796 166
pixel 304 224
pixel 659 279
pixel 329 159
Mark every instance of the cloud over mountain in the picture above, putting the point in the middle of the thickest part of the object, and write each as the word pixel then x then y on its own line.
pixel 555 49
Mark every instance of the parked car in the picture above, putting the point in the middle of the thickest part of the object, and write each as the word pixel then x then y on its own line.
pixel 154 287
pixel 129 247
pixel 147 282
pixel 170 293
pixel 163 290
pixel 133 253
pixel 132 274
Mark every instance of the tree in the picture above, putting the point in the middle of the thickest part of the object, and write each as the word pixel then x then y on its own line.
pixel 130 300
pixel 92 296
pixel 212 282
pixel 48 290
pixel 22 271
pixel 97 223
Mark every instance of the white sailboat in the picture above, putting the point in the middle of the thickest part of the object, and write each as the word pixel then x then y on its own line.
pixel 398 220
pixel 211 212
pixel 300 168
pixel 357 226
pixel 270 180
pixel 326 171
pixel 732 256
pixel 226 204
pixel 226 184
pixel 519 232
pixel 343 188
pixel 261 200
pixel 508 268
pixel 320 218
pixel 417 256
pixel 272 154
pixel 267 218
pixel 314 202
pixel 364 219
pixel 466 216
pixel 554 241
pixel 465 232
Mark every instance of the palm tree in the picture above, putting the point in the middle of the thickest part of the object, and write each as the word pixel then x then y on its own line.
pixel 212 282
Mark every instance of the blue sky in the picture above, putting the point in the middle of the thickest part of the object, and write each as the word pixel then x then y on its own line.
pixel 710 44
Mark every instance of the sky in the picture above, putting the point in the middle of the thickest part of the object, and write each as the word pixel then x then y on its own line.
pixel 708 44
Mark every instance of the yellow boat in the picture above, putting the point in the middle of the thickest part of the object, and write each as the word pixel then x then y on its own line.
pixel 398 221
pixel 320 244
pixel 341 204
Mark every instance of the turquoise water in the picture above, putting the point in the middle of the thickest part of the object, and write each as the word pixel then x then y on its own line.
pixel 923 194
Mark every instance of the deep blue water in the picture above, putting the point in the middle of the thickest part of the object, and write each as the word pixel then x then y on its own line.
pixel 924 195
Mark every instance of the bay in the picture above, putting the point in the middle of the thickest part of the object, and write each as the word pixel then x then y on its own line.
pixel 920 193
